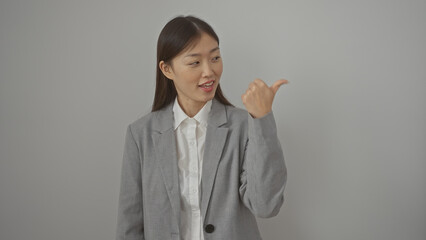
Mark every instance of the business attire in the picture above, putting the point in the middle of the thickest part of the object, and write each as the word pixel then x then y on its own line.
pixel 243 176
pixel 190 140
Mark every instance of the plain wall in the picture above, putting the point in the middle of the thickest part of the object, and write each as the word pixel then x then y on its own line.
pixel 352 120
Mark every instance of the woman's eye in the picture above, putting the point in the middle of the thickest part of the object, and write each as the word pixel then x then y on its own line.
pixel 194 63
pixel 215 59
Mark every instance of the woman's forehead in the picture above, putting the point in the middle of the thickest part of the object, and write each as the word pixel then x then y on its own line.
pixel 204 44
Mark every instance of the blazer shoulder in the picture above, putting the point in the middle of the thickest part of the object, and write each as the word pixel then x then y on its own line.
pixel 142 124
pixel 236 115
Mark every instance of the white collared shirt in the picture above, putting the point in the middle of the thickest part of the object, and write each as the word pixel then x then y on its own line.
pixel 190 139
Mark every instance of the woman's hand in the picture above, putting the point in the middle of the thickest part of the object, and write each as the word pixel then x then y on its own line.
pixel 259 97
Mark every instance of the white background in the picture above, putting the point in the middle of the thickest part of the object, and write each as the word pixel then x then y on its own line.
pixel 352 120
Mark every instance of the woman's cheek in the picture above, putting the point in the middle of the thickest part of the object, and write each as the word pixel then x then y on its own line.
pixel 219 69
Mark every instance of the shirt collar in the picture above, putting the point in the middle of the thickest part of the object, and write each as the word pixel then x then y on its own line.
pixel 200 117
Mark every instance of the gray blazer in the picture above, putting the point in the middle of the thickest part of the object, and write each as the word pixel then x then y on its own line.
pixel 244 176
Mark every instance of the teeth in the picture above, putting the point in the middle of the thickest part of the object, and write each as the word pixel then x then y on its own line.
pixel 208 84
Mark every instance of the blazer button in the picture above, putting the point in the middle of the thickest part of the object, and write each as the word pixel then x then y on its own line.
pixel 209 228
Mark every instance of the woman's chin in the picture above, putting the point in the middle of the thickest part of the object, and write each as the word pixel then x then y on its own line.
pixel 209 97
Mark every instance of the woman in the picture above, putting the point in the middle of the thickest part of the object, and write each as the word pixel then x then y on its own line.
pixel 197 167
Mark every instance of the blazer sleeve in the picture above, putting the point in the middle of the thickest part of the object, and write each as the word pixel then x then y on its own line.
pixel 263 173
pixel 130 224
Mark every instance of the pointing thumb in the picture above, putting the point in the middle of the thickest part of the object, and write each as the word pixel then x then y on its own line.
pixel 278 84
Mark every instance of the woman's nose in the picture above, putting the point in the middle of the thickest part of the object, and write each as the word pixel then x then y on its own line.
pixel 207 70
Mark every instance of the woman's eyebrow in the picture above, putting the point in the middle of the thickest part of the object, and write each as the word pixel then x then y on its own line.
pixel 198 54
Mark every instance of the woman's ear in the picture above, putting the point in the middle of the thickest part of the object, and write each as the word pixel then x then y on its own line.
pixel 166 69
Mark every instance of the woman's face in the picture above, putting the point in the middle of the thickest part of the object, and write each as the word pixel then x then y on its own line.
pixel 196 72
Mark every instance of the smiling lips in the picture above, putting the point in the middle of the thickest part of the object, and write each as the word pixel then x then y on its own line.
pixel 208 86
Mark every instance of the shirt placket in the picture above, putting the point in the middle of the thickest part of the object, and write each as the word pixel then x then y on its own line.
pixel 193 179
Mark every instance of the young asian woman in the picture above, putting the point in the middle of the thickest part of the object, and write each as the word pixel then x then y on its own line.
pixel 196 167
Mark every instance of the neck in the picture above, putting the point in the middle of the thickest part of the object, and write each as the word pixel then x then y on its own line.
pixel 190 107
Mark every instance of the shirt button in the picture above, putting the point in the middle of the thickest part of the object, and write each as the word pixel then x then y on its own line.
pixel 192 142
pixel 193 190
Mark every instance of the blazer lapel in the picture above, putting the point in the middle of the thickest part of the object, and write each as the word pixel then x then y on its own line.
pixel 166 151
pixel 214 143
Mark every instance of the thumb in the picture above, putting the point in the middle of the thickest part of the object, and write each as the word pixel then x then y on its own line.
pixel 278 84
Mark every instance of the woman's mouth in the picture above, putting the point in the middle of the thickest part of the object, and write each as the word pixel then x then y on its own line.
pixel 207 87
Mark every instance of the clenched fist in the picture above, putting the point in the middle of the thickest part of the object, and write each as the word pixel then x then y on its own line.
pixel 259 97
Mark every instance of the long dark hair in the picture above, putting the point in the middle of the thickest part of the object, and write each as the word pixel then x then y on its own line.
pixel 176 36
